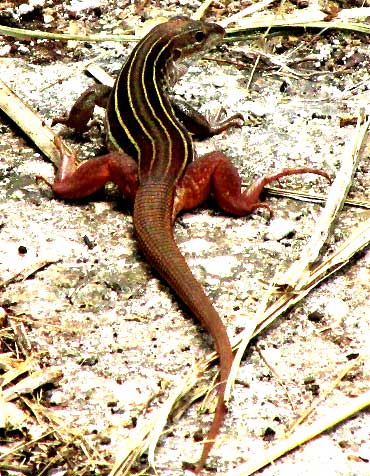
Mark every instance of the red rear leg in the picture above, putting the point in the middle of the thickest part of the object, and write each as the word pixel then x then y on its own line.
pixel 74 181
pixel 214 173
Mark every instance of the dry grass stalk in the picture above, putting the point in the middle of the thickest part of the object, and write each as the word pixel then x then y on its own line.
pixel 147 435
pixel 16 469
pixel 32 382
pixel 279 61
pixel 312 197
pixel 334 384
pixel 277 377
pixel 255 7
pixel 21 339
pixel 183 386
pixel 201 10
pixel 23 33
pixel 133 449
pixel 22 446
pixel 19 367
pixel 303 434
pixel 27 271
pixel 30 123
pixel 99 74
pixel 334 204
pixel 7 360
pixel 305 18
pixel 334 416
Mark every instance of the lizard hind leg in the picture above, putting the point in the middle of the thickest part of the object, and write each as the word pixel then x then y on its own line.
pixel 76 181
pixel 214 174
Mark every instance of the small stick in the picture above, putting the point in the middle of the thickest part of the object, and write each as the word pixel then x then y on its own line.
pixel 30 122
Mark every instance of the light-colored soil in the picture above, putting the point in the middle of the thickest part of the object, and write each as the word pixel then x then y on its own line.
pixel 118 333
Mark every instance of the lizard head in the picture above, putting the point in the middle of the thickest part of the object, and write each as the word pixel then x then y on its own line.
pixel 182 41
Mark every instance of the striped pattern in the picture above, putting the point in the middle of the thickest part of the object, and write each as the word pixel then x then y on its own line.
pixel 141 123
pixel 140 118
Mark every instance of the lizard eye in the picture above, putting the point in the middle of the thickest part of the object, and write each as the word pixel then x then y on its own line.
pixel 199 36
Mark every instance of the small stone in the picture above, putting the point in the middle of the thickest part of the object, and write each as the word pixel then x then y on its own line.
pixel 25 8
pixel 5 50
pixel 337 308
pixel 58 398
pixel 279 229
pixel 221 266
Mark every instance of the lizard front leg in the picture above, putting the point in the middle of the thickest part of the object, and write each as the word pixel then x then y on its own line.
pixel 199 125
pixel 195 122
pixel 214 174
pixel 83 109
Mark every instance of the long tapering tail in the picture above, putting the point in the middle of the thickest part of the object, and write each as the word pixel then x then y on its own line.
pixel 153 225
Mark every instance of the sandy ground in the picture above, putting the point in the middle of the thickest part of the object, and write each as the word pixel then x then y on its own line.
pixel 120 337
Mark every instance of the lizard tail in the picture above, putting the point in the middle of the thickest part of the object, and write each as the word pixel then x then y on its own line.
pixel 153 226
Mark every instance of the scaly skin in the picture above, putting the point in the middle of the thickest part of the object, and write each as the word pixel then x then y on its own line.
pixel 153 225
pixel 155 167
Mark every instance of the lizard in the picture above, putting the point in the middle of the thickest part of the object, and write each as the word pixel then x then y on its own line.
pixel 153 162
